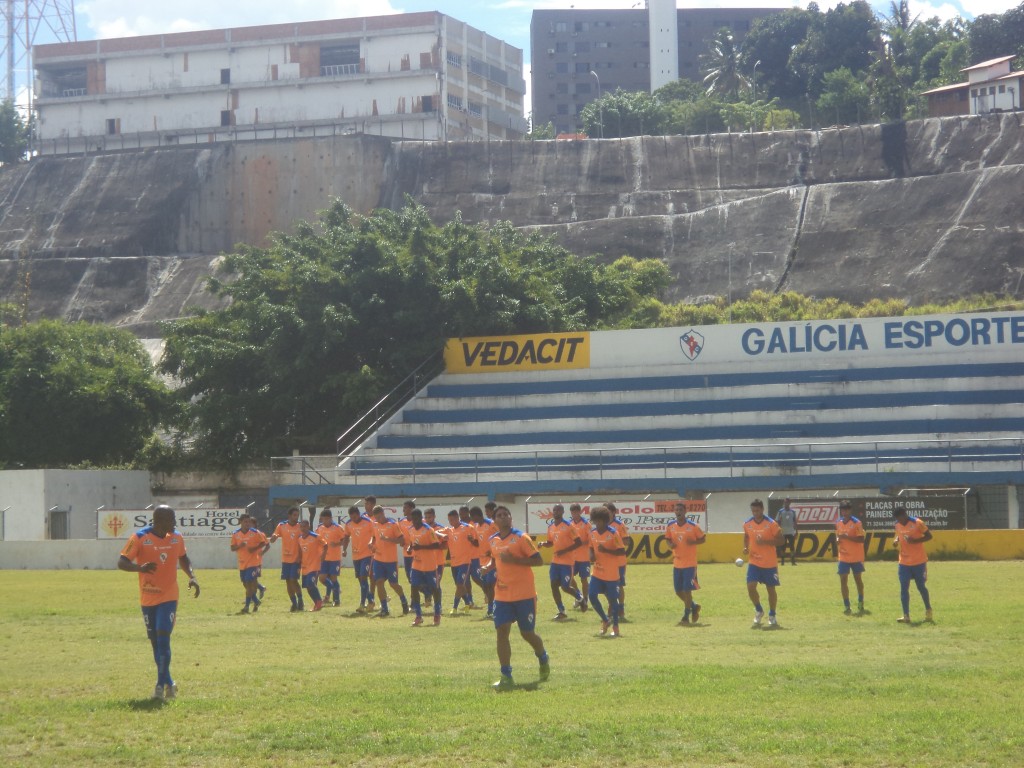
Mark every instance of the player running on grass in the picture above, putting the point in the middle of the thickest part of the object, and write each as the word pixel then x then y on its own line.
pixel 424 545
pixel 334 536
pixel 461 548
pixel 360 536
pixel 249 543
pixel 581 561
pixel 513 558
pixel 761 536
pixel 620 528
pixel 386 539
pixel 155 552
pixel 911 535
pixel 430 519
pixel 312 548
pixel 684 537
pixel 485 528
pixel 605 549
pixel 850 543
pixel 564 541
pixel 288 532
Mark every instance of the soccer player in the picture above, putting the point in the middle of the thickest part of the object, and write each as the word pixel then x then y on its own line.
pixel 513 558
pixel 288 532
pixel 312 548
pixel 423 547
pixel 684 537
pixel 787 522
pixel 405 524
pixel 620 528
pixel 564 541
pixel 461 547
pixel 605 549
pixel 911 535
pixel 249 543
pixel 369 504
pixel 487 577
pixel 581 563
pixel 155 552
pixel 360 532
pixel 430 519
pixel 761 535
pixel 850 542
pixel 334 536
pixel 474 564
pixel 386 538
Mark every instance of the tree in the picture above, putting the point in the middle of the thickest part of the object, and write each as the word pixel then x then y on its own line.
pixel 845 98
pixel 624 113
pixel 771 41
pixel 992 35
pixel 720 66
pixel 540 132
pixel 326 320
pixel 13 133
pixel 845 36
pixel 73 393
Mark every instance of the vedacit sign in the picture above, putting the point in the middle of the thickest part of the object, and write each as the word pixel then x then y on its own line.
pixel 534 352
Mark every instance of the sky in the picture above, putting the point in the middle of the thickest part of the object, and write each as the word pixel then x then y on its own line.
pixel 506 19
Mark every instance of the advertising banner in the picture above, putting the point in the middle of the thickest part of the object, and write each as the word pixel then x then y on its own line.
pixel 535 352
pixel 640 517
pixel 941 513
pixel 121 523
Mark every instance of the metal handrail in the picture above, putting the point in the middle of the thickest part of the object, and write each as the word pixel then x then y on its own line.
pixel 388 405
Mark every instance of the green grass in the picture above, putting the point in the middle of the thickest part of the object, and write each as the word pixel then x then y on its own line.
pixel 334 689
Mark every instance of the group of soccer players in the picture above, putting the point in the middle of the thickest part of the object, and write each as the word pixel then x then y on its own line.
pixel 588 563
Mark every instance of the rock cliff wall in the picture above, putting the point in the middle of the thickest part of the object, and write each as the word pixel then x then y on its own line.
pixel 924 211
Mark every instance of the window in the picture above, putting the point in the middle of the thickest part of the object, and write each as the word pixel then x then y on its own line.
pixel 991 90
pixel 562 67
pixel 225 118
pixel 603 45
pixel 561 26
pixel 113 126
pixel 225 77
pixel 339 59
pixel 455 60
pixel 454 102
pixel 582 88
pixel 1002 89
pixel 428 103
pixel 475 109
pixel 562 109
pixel 582 67
pixel 561 47
pixel 581 26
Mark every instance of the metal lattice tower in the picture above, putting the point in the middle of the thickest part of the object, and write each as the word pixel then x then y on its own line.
pixel 25 23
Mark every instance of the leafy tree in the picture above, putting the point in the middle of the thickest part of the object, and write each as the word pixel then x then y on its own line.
pixel 992 35
pixel 845 36
pixel 325 320
pixel 679 90
pixel 845 98
pixel 771 41
pixel 13 133
pixel 624 113
pixel 721 68
pixel 73 393
pixel 704 115
pixel 540 132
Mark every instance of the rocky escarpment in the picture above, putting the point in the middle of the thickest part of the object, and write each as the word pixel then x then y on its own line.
pixel 923 211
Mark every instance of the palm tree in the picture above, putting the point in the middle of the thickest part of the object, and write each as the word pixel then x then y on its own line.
pixel 721 67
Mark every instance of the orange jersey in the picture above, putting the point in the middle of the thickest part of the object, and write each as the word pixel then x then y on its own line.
pixel 514 581
pixel 312 548
pixel 144 546
pixel 289 535
pixel 405 524
pixel 442 536
pixel 619 527
pixel 385 551
pixel 460 547
pixel 582 554
pixel 254 537
pixel 360 535
pixel 563 535
pixel 762 554
pixel 911 554
pixel 606 566
pixel 334 536
pixel 683 540
pixel 484 532
pixel 849 551
pixel 424 559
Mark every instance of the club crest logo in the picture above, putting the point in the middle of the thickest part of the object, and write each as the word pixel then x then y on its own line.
pixel 163 557
pixel 692 344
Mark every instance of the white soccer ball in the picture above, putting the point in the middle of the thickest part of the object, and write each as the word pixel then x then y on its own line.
pixel 739 562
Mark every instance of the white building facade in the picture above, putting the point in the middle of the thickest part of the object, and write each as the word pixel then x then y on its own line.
pixel 993 87
pixel 663 27
pixel 417 76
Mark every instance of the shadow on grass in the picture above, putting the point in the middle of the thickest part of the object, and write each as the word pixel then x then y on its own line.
pixel 535 686
pixel 146 705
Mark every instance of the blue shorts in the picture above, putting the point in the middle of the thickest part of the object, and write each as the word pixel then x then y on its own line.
pixel 767 576
pixel 523 612
pixel 407 563
pixel 385 572
pixel 250 574
pixel 474 568
pixel 581 568
pixel 685 579
pixel 622 575
pixel 845 568
pixel 362 567
pixel 460 573
pixel 489 579
pixel 909 573
pixel 440 573
pixel 310 580
pixel 330 567
pixel 160 618
pixel 423 580
pixel 609 589
pixel 560 574
pixel 290 571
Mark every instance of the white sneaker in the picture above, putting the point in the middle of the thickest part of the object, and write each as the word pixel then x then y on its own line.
pixel 772 621
pixel 757 618
pixel 158 693
pixel 171 691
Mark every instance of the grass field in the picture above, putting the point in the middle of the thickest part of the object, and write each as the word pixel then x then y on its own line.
pixel 336 689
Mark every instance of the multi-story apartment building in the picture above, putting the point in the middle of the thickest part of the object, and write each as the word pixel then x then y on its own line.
pixel 615 45
pixel 423 76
